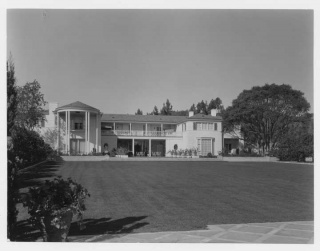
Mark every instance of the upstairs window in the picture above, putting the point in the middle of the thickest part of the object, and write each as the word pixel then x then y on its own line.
pixel 198 126
pixel 215 126
pixel 78 126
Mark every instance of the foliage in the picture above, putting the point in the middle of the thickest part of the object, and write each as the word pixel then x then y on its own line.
pixel 264 114
pixel 50 137
pixel 155 111
pixel 122 151
pixel 205 108
pixel 30 105
pixel 175 147
pixel 298 142
pixel 13 166
pixel 167 108
pixel 139 112
pixel 12 93
pixel 29 146
pixel 54 198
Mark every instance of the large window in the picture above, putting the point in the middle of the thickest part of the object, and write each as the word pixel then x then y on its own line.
pixel 205 146
pixel 202 126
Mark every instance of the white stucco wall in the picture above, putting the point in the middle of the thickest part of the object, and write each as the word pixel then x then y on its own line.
pixel 190 137
pixel 110 140
pixel 171 142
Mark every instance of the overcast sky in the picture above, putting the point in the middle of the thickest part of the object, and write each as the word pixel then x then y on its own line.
pixel 122 60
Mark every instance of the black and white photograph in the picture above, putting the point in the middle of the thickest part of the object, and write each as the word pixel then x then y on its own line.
pixel 160 126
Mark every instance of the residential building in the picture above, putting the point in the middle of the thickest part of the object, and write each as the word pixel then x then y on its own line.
pixel 84 129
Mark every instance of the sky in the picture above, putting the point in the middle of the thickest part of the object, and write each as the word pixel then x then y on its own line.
pixel 122 60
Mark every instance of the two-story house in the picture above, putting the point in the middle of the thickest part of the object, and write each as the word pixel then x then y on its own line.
pixel 83 129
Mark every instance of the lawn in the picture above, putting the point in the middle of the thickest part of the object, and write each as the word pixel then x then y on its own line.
pixel 178 196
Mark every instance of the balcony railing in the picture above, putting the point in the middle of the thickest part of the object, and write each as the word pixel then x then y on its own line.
pixel 141 133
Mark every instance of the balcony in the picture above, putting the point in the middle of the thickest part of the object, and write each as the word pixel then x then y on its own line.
pixel 134 133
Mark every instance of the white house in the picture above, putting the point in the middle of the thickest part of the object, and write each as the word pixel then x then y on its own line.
pixel 84 129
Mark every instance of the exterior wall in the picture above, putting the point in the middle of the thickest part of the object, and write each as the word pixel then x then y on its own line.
pixel 110 140
pixel 179 128
pixel 137 127
pixel 190 137
pixel 122 126
pixel 171 142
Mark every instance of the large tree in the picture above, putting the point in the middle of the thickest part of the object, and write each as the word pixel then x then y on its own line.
pixel 30 106
pixel 11 96
pixel 265 113
pixel 167 108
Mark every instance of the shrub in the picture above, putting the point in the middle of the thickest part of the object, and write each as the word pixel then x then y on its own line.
pixel 209 155
pixel 52 199
pixel 294 149
pixel 29 146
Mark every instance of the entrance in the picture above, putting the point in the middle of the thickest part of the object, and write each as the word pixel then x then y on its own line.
pixel 158 148
pixel 141 147
pixel 77 146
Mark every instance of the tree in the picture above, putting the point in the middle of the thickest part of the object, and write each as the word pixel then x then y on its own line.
pixel 192 108
pixel 139 112
pixel 202 107
pixel 265 113
pixel 12 93
pixel 30 105
pixel 215 104
pixel 155 111
pixel 50 137
pixel 166 109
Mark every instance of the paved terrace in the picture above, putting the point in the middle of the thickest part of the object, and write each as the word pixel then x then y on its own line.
pixel 299 232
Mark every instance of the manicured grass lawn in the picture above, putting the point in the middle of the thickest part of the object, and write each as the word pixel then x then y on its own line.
pixel 177 196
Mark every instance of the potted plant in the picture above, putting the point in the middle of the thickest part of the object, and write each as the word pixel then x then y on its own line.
pixel 53 205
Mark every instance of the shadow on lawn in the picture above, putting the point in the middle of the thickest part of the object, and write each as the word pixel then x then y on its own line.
pixel 26 232
pixel 34 176
pixel 107 226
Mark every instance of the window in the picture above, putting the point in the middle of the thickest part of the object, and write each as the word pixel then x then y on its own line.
pixel 204 126
pixel 43 123
pixel 215 126
pixel 205 146
pixel 210 126
pixel 78 126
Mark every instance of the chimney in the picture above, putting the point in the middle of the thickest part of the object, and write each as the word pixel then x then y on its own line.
pixel 213 112
pixel 191 113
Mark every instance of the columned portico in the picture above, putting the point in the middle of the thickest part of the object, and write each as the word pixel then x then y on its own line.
pixel 82 128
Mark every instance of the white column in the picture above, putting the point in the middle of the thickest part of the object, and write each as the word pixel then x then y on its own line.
pixel 130 129
pixel 58 129
pixel 66 134
pixel 146 129
pixel 114 126
pixel 132 145
pixel 97 131
pixel 69 126
pixel 150 148
pixel 88 132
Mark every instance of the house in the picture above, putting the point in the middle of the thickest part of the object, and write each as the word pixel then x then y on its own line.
pixel 84 129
